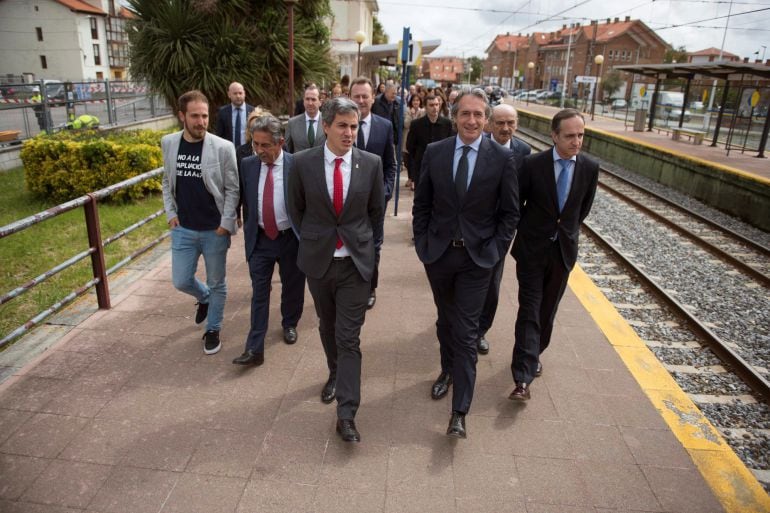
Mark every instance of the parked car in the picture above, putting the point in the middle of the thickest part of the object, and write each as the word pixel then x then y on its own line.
pixel 697 105
pixel 618 104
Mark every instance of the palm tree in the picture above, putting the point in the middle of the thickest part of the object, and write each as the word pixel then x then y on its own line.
pixel 178 45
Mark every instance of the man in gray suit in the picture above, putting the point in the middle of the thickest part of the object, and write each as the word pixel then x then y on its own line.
pixel 336 200
pixel 200 195
pixel 304 130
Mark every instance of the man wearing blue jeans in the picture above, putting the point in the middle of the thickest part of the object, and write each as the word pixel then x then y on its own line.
pixel 200 195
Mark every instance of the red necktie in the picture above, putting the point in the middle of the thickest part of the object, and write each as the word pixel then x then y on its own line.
pixel 338 193
pixel 268 211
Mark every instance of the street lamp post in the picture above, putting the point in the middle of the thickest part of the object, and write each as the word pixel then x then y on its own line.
pixel 494 74
pixel 599 60
pixel 530 67
pixel 290 7
pixel 360 38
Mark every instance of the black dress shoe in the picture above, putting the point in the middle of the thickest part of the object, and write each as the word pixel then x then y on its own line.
pixel 201 312
pixel 372 299
pixel 441 385
pixel 329 391
pixel 482 345
pixel 456 427
pixel 520 393
pixel 290 335
pixel 250 357
pixel 539 370
pixel 347 430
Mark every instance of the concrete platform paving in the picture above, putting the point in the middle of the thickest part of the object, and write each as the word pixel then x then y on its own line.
pixel 125 414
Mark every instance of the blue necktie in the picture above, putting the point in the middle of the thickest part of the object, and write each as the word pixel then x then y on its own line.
pixel 237 134
pixel 563 183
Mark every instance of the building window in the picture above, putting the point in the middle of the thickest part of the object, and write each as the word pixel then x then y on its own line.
pixel 118 75
pixel 94 28
pixel 39 31
pixel 99 75
pixel 97 56
pixel 43 62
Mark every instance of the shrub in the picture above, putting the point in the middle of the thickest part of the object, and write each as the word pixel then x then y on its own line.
pixel 68 164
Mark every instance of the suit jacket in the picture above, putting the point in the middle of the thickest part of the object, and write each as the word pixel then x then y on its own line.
pixel 488 214
pixel 296 134
pixel 389 111
pixel 519 148
pixel 224 127
pixel 312 210
pixel 251 168
pixel 540 217
pixel 219 172
pixel 421 135
pixel 380 143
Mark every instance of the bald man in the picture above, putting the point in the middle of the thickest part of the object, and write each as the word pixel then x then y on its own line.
pixel 231 118
pixel 503 124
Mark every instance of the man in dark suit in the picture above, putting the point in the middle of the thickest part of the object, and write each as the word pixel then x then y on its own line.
pixel 557 188
pixel 304 130
pixel 388 106
pixel 375 135
pixel 503 123
pixel 424 130
pixel 464 216
pixel 231 118
pixel 269 237
pixel 336 200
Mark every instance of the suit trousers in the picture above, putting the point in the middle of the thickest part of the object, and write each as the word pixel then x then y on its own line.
pixel 261 264
pixel 492 299
pixel 459 287
pixel 340 298
pixel 542 283
pixel 379 238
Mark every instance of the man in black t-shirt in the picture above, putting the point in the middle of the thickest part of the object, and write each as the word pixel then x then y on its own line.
pixel 200 195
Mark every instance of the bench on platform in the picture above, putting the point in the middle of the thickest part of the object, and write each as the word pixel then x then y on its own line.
pixel 696 136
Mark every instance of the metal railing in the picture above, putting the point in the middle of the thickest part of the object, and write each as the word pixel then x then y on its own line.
pixel 90 203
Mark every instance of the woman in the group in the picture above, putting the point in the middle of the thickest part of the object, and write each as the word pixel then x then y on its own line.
pixel 414 111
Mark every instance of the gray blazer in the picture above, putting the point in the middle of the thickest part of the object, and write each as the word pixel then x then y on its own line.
pixel 296 134
pixel 312 211
pixel 219 171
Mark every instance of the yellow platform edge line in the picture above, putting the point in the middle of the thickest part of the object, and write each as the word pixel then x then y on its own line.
pixel 733 484
pixel 722 167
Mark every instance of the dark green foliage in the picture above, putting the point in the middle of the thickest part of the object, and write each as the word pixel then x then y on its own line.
pixel 179 45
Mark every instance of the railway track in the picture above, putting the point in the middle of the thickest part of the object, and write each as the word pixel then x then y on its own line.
pixel 686 283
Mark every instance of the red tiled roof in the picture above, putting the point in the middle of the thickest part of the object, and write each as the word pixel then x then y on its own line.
pixel 81 6
pixel 711 51
pixel 502 41
pixel 608 31
pixel 125 13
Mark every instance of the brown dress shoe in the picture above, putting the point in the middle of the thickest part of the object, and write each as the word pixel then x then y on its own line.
pixel 520 393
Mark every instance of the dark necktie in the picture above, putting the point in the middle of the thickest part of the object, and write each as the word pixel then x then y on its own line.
pixel 237 133
pixel 310 132
pixel 338 193
pixel 562 184
pixel 268 210
pixel 461 177
pixel 360 144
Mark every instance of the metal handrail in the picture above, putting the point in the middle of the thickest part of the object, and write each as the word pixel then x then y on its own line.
pixel 89 202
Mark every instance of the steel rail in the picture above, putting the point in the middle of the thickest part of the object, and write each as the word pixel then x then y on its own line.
pixel 750 375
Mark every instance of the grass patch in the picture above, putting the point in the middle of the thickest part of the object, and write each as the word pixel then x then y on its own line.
pixel 37 249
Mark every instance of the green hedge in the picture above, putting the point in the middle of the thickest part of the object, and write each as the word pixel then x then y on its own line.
pixel 69 164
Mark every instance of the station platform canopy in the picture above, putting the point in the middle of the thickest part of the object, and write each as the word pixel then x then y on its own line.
pixel 725 70
pixel 389 52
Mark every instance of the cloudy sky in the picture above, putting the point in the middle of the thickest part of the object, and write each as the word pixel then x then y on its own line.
pixel 467 27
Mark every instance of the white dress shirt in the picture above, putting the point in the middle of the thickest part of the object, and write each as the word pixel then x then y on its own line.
pixel 347 159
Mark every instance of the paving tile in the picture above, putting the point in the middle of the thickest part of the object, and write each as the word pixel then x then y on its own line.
pixel 411 468
pixel 618 486
pixel 10 420
pixel 420 500
pixel 413 395
pixel 376 424
pixel 81 399
pixel 277 497
pixel 18 473
pixel 67 483
pixel 583 407
pixel 596 442
pixel 491 479
pixel 226 453
pixel 658 447
pixel 490 504
pixel 30 393
pixel 97 342
pixel 409 368
pixel 537 507
pixel 241 413
pixel 614 382
pixel 43 435
pixel 337 499
pixel 633 410
pixel 362 467
pixel 27 507
pixel 417 429
pixel 567 379
pixel 528 437
pixel 668 484
pixel 552 481
pixel 378 392
pixel 290 459
pixel 102 441
pixel 111 371
pixel 136 403
pixel 305 419
pixel 134 490
pixel 203 494
pixel 164 448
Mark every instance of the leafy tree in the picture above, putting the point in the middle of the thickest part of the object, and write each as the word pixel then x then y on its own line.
pixel 379 37
pixel 477 65
pixel 678 54
pixel 178 45
pixel 611 82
